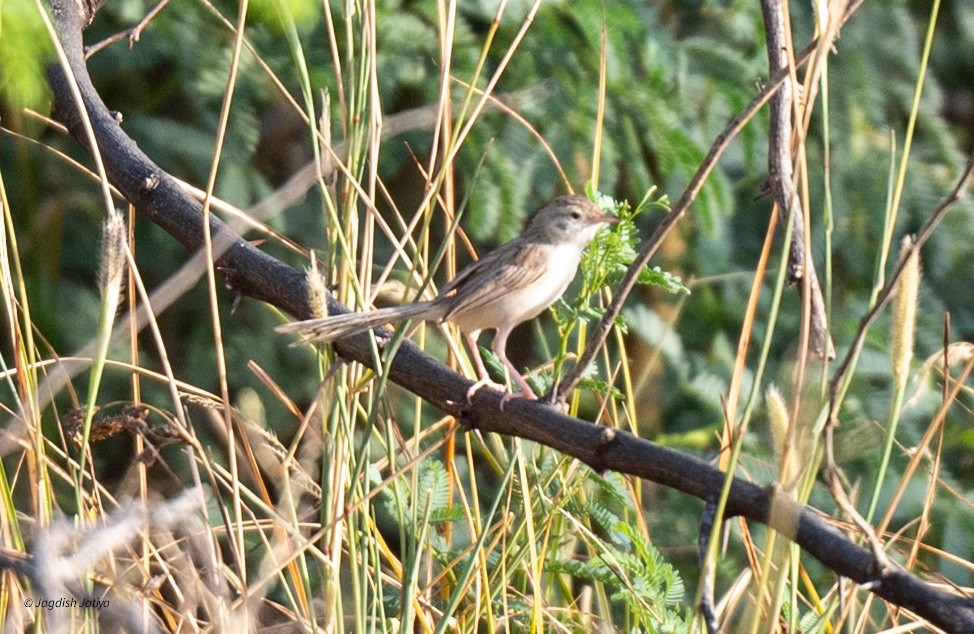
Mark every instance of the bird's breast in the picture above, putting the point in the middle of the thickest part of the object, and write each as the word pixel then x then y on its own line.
pixel 530 299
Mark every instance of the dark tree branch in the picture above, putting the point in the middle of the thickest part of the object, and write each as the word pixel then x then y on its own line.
pixel 801 270
pixel 253 273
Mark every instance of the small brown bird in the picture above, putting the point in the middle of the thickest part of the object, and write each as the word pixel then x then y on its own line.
pixel 506 287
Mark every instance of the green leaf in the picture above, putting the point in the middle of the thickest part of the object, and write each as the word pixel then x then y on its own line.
pixel 25 53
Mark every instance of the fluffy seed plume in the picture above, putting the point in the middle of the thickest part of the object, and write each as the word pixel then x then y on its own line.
pixel 111 266
pixel 905 312
pixel 777 419
pixel 317 290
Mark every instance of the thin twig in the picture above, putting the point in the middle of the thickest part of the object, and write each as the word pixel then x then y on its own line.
pixel 959 191
pixel 801 271
pixel 133 34
pixel 839 381
pixel 601 330
pixel 708 569
pixel 680 208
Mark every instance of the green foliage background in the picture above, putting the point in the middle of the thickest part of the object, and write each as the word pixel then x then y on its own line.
pixel 676 72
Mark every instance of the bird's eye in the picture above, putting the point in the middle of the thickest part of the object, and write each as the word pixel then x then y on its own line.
pixel 576 214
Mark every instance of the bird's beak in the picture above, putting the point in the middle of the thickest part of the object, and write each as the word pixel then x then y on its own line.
pixel 605 219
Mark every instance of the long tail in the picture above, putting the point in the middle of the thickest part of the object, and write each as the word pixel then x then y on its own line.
pixel 325 329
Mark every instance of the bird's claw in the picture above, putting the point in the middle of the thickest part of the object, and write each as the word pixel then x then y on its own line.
pixel 484 382
pixel 508 396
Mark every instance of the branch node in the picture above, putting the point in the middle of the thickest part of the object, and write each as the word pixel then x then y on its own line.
pixel 606 438
pixel 150 183
pixel 466 416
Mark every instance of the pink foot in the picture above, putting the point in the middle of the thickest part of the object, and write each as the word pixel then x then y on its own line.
pixel 483 382
pixel 509 397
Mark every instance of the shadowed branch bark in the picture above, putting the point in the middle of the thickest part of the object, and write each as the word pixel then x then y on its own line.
pixel 250 272
pixel 801 268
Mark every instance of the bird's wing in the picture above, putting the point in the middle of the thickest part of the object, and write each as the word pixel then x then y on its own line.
pixel 513 265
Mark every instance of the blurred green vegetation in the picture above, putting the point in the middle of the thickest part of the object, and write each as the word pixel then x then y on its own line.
pixel 676 72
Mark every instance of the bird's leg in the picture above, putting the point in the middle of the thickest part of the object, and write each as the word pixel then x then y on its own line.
pixel 499 346
pixel 484 379
pixel 526 391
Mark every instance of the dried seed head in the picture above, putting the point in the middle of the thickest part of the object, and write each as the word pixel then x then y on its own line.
pixel 111 267
pixel 328 170
pixel 777 418
pixel 787 451
pixel 317 291
pixel 905 312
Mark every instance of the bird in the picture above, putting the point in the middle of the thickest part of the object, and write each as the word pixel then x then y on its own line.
pixel 505 288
